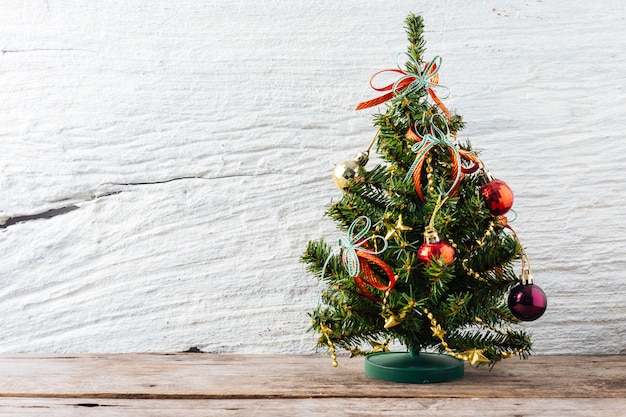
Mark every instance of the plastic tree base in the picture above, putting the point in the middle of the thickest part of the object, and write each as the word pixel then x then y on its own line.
pixel 422 368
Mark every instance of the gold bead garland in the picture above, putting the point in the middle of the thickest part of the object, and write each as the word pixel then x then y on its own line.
pixel 429 174
pixel 326 331
pixel 481 241
pixel 471 272
pixel 473 356
pixel 505 355
pixel 490 327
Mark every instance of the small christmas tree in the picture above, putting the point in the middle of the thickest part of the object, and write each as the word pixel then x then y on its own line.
pixel 428 257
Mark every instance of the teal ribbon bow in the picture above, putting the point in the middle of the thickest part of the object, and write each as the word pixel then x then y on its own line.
pixel 354 241
pixel 436 137
pixel 420 79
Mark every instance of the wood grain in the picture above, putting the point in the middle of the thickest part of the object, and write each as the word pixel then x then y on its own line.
pixel 196 385
pixel 204 376
pixel 316 407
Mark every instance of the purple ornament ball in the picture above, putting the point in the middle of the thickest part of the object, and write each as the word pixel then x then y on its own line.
pixel 527 302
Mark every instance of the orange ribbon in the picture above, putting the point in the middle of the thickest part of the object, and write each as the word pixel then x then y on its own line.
pixel 367 275
pixel 428 79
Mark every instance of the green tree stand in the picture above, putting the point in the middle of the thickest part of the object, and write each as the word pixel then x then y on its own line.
pixel 414 368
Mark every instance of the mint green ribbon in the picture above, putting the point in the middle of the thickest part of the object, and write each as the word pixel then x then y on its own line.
pixel 354 241
pixel 348 246
pixel 420 79
pixel 437 137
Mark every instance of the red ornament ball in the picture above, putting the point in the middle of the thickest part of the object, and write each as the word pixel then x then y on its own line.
pixel 527 302
pixel 498 197
pixel 438 250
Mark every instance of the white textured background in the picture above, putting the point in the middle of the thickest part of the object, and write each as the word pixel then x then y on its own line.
pixel 182 152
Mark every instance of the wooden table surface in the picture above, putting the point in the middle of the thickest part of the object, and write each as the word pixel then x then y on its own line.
pixel 196 384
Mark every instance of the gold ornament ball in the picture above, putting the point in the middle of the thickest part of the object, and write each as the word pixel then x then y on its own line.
pixel 348 169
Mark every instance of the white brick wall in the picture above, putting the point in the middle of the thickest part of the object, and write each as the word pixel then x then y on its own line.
pixel 187 148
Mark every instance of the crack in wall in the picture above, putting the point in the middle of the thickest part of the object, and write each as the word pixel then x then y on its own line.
pixel 190 177
pixel 9 221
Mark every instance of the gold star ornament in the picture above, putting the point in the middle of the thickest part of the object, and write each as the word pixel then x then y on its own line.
pixel 438 331
pixel 473 356
pixel 397 229
pixel 394 320
pixel 379 347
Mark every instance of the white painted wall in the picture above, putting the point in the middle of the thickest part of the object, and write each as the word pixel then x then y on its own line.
pixel 194 142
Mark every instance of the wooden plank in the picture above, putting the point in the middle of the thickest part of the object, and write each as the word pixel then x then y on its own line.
pixel 315 407
pixel 208 376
